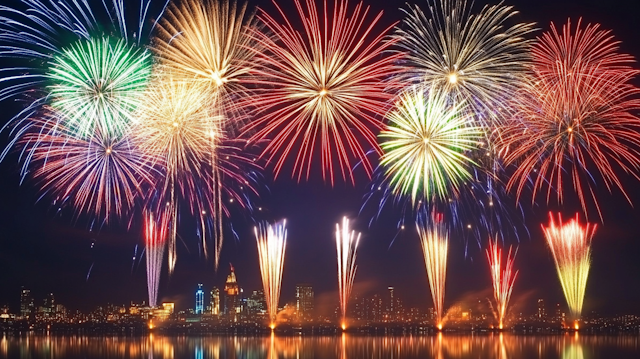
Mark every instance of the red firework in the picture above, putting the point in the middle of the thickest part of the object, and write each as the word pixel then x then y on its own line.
pixel 326 88
pixel 575 118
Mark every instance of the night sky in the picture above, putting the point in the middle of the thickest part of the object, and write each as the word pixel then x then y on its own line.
pixel 47 251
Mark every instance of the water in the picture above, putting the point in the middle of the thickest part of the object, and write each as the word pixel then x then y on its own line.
pixel 567 346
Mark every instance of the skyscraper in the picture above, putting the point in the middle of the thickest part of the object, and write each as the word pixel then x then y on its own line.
pixel 215 301
pixel 541 311
pixel 232 291
pixel 304 301
pixel 27 307
pixel 390 308
pixel 199 300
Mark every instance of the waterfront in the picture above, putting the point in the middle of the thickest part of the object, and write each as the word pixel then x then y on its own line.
pixel 440 346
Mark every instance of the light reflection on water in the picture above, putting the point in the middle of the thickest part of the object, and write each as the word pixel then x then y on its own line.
pixel 441 346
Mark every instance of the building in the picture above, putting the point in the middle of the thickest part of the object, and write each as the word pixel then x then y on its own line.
pixel 231 299
pixel 215 301
pixel 304 301
pixel 199 300
pixel 256 304
pixel 27 307
pixel 541 311
pixel 391 308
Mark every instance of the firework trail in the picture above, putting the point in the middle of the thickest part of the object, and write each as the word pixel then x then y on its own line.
pixel 503 277
pixel 155 235
pixel 102 175
pixel 326 88
pixel 272 240
pixel 434 237
pixel 346 246
pixel 210 43
pixel 570 244
pixel 424 146
pixel 201 165
pixel 575 123
pixel 474 58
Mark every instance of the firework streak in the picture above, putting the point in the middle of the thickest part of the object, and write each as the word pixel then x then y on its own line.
pixel 570 244
pixel 272 240
pixel 346 246
pixel 503 278
pixel 434 237
pixel 155 235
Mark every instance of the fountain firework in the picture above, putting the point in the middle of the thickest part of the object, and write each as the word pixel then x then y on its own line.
pixel 570 244
pixel 503 279
pixel 434 237
pixel 346 245
pixel 155 235
pixel 272 240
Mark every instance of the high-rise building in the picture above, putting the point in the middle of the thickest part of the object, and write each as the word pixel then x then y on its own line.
pixel 49 306
pixel 541 311
pixel 231 300
pixel 215 301
pixel 256 304
pixel 391 307
pixel 199 300
pixel 304 301
pixel 27 307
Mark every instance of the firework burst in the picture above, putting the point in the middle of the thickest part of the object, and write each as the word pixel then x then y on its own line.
pixel 434 237
pixel 346 246
pixel 570 244
pixel 155 235
pixel 503 277
pixel 424 146
pixel 272 240
pixel 101 175
pixel 209 42
pixel 177 132
pixel 325 88
pixel 575 123
pixel 474 58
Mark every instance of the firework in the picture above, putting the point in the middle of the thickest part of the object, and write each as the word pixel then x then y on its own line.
pixel 272 240
pixel 209 42
pixel 575 123
pixel 424 146
pixel 503 277
pixel 100 174
pixel 346 245
pixel 97 84
pixel 570 244
pixel 155 235
pixel 473 58
pixel 326 88
pixel 434 237
pixel 176 129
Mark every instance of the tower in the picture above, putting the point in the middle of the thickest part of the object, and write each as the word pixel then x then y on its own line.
pixel 304 300
pixel 231 289
pixel 215 301
pixel 199 300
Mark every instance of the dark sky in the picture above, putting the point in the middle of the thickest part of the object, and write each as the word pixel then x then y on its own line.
pixel 49 252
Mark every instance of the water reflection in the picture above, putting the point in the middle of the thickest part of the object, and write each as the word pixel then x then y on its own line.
pixel 441 346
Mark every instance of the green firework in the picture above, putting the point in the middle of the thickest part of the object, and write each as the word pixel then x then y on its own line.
pixel 424 145
pixel 97 84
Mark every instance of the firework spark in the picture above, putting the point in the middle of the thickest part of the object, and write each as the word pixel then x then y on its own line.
pixel 326 88
pixel 575 123
pixel 209 42
pixel 434 237
pixel 101 175
pixel 346 246
pixel 473 58
pixel 570 244
pixel 155 235
pixel 503 278
pixel 424 146
pixel 272 240
pixel 176 129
